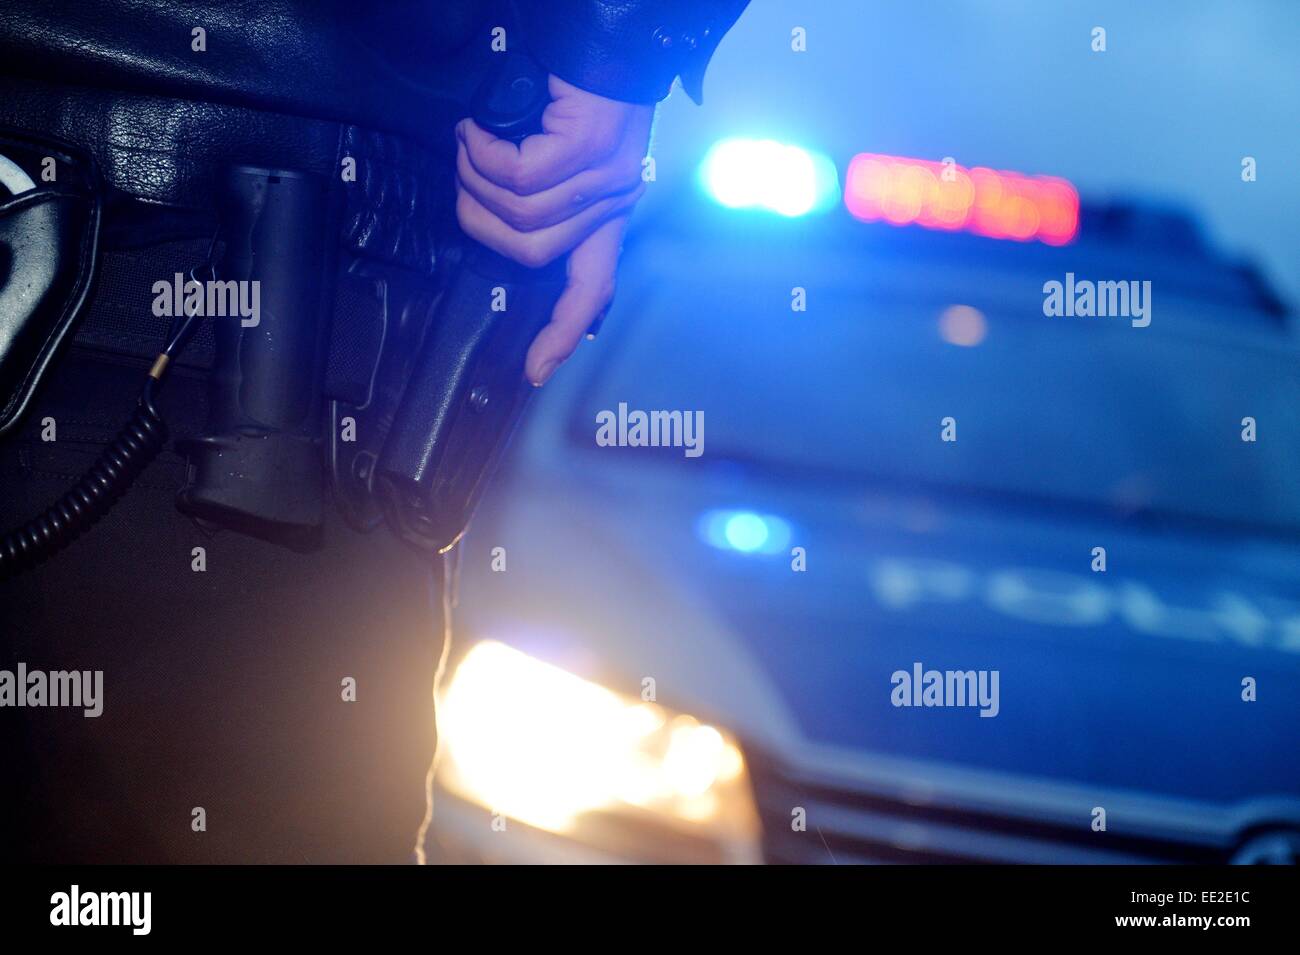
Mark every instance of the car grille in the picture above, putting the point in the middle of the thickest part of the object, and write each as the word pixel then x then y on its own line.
pixel 856 823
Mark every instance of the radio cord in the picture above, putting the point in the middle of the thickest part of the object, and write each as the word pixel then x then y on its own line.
pixel 112 474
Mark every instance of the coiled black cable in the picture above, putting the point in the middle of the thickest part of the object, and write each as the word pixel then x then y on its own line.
pixel 116 469
pixel 89 499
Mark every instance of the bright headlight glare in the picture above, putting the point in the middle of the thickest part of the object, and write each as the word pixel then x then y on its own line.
pixel 539 744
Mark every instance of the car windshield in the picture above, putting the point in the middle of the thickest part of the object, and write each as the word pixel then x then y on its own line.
pixel 1078 410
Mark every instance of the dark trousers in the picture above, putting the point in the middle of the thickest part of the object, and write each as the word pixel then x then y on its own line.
pixel 222 687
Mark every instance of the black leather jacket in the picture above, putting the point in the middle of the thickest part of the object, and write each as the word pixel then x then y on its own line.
pixel 628 49
pixel 376 63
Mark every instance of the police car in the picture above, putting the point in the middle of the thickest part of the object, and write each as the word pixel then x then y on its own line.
pixel 676 657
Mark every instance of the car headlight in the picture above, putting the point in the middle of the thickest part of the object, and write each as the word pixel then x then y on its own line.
pixel 537 743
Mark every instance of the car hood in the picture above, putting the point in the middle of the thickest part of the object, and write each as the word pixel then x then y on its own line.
pixel 1130 678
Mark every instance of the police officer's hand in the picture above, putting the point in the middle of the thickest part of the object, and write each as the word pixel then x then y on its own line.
pixel 568 189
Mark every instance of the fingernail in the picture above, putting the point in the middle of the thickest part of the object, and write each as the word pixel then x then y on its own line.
pixel 545 374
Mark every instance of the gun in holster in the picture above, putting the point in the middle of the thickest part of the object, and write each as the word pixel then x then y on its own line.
pixel 420 462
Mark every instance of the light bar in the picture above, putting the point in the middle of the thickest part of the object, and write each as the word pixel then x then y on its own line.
pixel 765 174
pixel 1000 205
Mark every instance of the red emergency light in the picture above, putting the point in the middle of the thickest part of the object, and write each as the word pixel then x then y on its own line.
pixel 1000 205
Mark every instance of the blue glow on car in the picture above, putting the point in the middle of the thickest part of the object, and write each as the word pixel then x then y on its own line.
pixel 745 532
